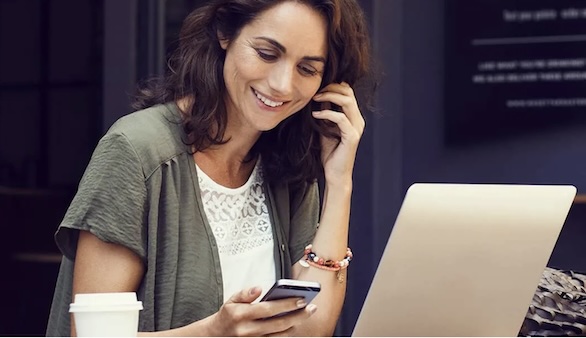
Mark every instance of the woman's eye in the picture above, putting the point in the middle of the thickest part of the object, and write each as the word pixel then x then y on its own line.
pixel 266 56
pixel 305 70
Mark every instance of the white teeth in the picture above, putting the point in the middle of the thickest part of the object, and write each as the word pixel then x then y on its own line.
pixel 267 101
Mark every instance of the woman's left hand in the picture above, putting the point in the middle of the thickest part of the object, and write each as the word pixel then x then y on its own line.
pixel 338 156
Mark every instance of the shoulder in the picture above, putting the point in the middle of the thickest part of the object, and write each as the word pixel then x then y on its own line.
pixel 155 134
pixel 154 124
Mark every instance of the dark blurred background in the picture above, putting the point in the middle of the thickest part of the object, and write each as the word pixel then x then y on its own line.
pixel 67 68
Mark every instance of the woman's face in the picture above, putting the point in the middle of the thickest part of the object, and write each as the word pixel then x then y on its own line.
pixel 275 66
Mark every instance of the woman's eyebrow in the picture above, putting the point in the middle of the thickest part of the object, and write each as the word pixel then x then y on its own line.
pixel 284 50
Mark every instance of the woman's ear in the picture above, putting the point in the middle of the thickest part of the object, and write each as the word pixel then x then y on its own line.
pixel 222 40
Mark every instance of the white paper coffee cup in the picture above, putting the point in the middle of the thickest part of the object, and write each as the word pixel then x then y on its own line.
pixel 106 314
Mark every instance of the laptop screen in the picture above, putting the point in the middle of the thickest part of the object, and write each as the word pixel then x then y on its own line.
pixel 464 259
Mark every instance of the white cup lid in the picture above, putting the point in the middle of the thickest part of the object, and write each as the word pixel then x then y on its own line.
pixel 112 301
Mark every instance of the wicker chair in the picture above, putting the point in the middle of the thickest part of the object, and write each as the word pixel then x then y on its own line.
pixel 558 307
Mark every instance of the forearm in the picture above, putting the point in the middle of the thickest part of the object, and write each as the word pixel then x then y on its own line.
pixel 330 242
pixel 331 239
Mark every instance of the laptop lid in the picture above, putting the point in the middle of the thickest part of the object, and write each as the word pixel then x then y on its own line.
pixel 464 259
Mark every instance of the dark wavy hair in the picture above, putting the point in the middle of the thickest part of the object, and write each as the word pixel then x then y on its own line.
pixel 290 151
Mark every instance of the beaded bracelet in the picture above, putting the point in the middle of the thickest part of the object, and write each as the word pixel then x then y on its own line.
pixel 312 259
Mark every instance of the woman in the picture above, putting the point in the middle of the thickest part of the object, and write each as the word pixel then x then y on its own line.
pixel 208 194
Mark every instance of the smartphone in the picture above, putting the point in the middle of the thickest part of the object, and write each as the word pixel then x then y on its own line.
pixel 287 288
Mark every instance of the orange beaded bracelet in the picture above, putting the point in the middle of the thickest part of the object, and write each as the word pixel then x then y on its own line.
pixel 312 259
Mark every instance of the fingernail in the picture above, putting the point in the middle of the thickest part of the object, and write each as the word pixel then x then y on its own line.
pixel 301 303
pixel 312 308
pixel 318 95
pixel 316 112
pixel 253 290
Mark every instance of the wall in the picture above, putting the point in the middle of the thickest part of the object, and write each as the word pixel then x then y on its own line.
pixel 48 91
pixel 50 85
pixel 557 156
pixel 119 59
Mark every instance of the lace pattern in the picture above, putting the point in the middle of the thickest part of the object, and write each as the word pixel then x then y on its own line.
pixel 238 217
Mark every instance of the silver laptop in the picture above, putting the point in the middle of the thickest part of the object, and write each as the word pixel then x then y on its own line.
pixel 464 260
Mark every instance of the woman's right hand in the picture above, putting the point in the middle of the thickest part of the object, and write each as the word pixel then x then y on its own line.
pixel 239 317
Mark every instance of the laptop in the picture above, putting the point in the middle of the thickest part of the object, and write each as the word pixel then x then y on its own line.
pixel 464 259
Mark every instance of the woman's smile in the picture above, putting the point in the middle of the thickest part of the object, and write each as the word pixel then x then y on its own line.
pixel 266 101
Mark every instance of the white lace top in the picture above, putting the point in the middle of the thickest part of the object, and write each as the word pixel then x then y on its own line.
pixel 242 228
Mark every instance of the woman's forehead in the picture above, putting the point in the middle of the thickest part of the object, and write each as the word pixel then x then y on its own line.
pixel 296 26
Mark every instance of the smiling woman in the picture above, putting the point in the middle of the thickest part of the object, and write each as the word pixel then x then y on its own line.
pixel 274 66
pixel 207 194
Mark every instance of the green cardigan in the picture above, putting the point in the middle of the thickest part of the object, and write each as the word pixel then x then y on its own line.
pixel 140 190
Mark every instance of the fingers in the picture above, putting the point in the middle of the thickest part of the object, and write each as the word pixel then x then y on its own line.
pixel 278 307
pixel 282 326
pixel 238 317
pixel 339 93
pixel 265 318
pixel 263 309
pixel 245 296
pixel 348 132
pixel 342 95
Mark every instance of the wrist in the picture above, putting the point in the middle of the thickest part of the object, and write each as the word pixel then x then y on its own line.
pixel 339 186
pixel 206 327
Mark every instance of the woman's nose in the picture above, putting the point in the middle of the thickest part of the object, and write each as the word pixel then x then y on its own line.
pixel 281 79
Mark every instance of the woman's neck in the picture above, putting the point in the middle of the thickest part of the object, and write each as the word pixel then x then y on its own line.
pixel 224 169
pixel 227 164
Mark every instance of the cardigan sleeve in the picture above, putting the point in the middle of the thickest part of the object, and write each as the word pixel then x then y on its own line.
pixel 110 200
pixel 305 205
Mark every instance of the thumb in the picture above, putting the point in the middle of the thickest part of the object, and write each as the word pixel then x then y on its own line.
pixel 245 296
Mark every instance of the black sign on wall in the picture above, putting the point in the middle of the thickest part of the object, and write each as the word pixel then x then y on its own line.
pixel 513 67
